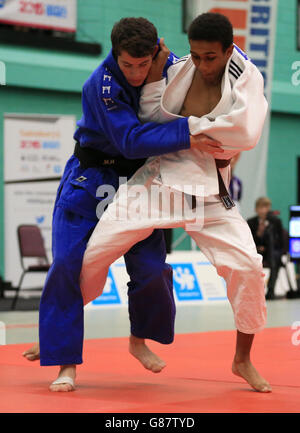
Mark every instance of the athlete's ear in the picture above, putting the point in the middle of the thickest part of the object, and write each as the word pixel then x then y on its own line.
pixel 229 51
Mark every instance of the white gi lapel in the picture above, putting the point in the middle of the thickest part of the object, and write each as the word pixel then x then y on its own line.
pixel 186 167
pixel 174 94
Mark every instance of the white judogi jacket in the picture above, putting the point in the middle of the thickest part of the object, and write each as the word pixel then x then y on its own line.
pixel 236 121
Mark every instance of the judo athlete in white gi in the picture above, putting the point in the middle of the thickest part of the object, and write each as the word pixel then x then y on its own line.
pixel 222 93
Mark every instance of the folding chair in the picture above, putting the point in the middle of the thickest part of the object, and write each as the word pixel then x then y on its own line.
pixel 31 245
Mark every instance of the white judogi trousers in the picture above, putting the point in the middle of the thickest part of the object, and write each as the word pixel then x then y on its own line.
pixel 224 237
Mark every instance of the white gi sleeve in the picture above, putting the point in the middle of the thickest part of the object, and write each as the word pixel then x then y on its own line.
pixel 240 128
pixel 151 94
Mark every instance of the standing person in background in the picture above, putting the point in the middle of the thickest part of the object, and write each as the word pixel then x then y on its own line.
pixel 268 235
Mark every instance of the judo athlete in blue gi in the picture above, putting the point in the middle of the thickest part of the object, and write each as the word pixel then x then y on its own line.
pixel 110 142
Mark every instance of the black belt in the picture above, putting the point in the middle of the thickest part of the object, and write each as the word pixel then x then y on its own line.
pixel 223 193
pixel 89 157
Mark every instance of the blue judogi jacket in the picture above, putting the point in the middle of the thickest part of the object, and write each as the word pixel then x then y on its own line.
pixel 110 124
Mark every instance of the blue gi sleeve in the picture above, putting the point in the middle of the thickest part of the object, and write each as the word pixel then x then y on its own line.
pixel 121 126
pixel 170 61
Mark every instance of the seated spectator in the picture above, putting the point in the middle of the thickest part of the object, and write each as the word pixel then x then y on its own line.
pixel 268 236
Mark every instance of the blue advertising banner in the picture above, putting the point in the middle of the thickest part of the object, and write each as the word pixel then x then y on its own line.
pixel 186 285
pixel 110 293
pixel 195 282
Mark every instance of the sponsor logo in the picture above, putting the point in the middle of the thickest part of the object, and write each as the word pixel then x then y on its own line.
pixel 185 282
pixel 39 8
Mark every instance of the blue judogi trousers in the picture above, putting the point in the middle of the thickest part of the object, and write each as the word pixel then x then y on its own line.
pixel 150 290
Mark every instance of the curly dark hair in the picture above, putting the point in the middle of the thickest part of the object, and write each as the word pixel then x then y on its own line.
pixel 212 27
pixel 137 36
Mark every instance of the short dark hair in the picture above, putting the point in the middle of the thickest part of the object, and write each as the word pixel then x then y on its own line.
pixel 137 36
pixel 212 27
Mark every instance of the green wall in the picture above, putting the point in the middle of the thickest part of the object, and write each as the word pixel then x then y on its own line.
pixel 49 82
pixel 285 96
pixel 165 15
pixel 284 149
pixel 284 142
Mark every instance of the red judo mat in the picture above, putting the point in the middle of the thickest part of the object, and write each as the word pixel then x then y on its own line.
pixel 197 378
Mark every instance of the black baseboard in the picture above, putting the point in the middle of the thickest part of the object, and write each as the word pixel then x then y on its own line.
pixel 47 42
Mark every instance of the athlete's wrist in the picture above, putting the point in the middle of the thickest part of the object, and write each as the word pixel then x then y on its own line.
pixel 152 78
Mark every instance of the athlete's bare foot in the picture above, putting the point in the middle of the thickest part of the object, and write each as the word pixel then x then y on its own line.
pixel 247 371
pixel 33 353
pixel 66 371
pixel 242 365
pixel 148 359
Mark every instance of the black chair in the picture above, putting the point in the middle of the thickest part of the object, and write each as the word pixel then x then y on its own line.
pixel 31 245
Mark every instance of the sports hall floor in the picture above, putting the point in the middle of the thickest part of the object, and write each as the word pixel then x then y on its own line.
pixel 197 378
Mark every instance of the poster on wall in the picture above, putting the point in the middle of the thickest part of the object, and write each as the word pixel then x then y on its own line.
pixel 47 14
pixel 254 25
pixel 36 149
